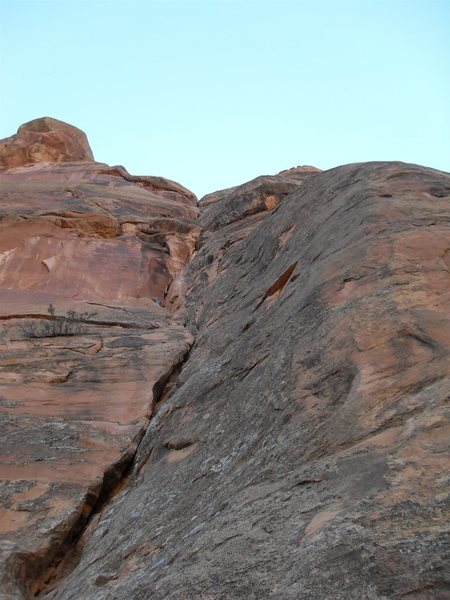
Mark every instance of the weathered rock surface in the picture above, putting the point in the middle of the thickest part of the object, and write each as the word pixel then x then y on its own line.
pixel 301 451
pixel 94 240
pixel 44 140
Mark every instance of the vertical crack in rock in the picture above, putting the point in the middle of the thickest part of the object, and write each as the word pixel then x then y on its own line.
pixel 114 482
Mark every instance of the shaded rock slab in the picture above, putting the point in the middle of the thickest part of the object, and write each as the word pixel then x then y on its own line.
pixel 302 450
pixel 228 216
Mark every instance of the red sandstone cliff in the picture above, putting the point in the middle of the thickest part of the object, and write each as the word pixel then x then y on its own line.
pixel 92 239
pixel 297 451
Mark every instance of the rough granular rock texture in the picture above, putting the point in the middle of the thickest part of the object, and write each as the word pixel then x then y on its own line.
pixel 302 452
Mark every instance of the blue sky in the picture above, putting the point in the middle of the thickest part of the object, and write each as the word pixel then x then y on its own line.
pixel 212 93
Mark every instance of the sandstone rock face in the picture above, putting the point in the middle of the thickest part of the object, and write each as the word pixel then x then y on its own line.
pixel 300 450
pixel 87 231
pixel 102 247
pixel 44 140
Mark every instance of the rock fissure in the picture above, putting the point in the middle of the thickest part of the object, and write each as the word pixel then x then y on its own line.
pixel 276 289
pixel 114 482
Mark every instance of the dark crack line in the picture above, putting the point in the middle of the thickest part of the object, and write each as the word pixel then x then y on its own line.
pixel 114 479
pixel 109 306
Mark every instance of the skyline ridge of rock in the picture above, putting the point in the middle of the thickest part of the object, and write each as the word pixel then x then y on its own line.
pixel 44 140
pixel 253 400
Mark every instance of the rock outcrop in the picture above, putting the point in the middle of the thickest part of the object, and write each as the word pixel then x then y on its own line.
pixel 299 451
pixel 100 248
pixel 44 140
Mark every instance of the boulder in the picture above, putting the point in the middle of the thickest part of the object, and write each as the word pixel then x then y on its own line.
pixel 44 140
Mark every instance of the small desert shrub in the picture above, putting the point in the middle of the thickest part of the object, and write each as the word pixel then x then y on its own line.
pixel 72 323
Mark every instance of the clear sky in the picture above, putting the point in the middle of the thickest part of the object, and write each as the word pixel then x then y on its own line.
pixel 212 93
